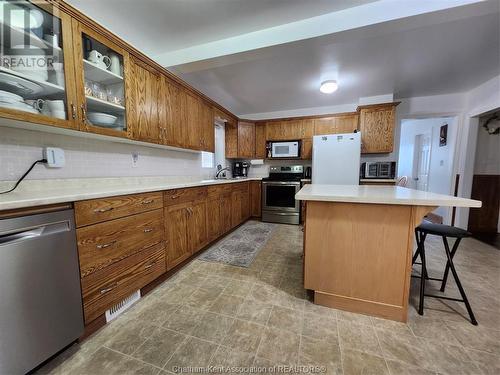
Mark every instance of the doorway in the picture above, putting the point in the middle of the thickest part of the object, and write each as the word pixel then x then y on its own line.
pixel 484 222
pixel 426 155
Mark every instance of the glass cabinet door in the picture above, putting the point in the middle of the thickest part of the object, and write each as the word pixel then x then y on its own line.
pixel 100 82
pixel 36 69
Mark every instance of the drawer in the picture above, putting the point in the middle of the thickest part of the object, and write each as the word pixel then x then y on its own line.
pixel 241 186
pixel 177 196
pixel 106 287
pixel 104 209
pixel 101 244
pixel 215 191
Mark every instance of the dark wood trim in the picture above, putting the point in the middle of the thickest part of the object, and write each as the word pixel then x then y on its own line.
pixel 310 117
pixel 378 105
pixel 93 327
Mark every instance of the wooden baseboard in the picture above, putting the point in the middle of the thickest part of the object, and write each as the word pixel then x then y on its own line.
pixel 359 306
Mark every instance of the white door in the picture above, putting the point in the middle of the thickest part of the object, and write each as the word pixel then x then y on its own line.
pixel 422 161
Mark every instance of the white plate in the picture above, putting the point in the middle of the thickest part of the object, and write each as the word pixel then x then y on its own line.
pixel 20 107
pixel 102 119
pixel 8 96
pixel 19 85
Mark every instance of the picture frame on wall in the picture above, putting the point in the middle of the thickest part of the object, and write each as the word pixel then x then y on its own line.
pixel 443 135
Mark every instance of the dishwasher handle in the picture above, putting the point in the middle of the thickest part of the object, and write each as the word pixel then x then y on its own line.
pixel 34 232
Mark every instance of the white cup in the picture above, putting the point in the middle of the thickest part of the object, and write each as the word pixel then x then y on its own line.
pixel 37 104
pixel 99 59
pixel 55 105
pixel 59 114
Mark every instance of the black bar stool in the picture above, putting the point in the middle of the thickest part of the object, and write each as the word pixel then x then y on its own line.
pixel 444 231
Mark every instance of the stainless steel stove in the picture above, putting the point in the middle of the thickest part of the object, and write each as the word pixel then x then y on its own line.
pixel 278 195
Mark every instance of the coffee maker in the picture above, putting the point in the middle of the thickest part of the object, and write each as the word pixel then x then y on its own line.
pixel 240 169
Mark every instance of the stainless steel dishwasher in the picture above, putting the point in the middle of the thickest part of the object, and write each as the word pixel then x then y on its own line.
pixel 40 295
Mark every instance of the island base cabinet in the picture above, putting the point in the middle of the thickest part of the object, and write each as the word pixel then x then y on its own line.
pixel 357 257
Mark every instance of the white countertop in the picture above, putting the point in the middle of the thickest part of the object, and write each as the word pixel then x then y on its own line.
pixel 379 180
pixel 374 194
pixel 41 192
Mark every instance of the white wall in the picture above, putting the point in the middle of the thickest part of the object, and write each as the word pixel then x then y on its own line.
pixel 441 158
pixel 90 158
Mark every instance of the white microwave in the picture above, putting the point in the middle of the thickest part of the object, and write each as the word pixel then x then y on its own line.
pixel 290 149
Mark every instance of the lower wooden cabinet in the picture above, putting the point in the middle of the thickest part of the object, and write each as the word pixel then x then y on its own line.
pixel 110 285
pixel 255 198
pixel 176 227
pixel 131 248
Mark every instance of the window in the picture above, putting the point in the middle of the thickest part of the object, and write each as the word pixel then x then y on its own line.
pixel 207 159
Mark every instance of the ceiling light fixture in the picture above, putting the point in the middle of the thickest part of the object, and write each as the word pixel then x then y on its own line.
pixel 328 87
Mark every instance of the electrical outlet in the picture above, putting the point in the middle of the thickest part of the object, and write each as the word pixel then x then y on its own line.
pixel 55 157
pixel 135 159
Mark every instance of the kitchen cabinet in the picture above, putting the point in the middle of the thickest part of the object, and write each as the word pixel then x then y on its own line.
pixel 376 123
pixel 192 122
pixel 344 123
pixel 214 216
pixel 104 89
pixel 50 86
pixel 246 140
pixel 255 198
pixel 231 136
pixel 197 226
pixel 145 111
pixel 225 213
pixel 306 150
pixel 208 127
pixel 176 229
pixel 260 140
pixel 240 204
pixel 286 130
pixel 173 113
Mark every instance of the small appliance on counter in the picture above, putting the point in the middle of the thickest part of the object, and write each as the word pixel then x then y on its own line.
pixel 240 169
pixel 380 169
pixel 278 194
pixel 308 173
pixel 285 150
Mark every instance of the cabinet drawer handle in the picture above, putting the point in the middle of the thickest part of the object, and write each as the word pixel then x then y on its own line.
pixel 174 196
pixel 109 289
pixel 148 230
pixel 148 201
pixel 150 265
pixel 101 210
pixel 103 246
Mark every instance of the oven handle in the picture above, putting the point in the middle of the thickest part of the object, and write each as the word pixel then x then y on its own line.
pixel 289 183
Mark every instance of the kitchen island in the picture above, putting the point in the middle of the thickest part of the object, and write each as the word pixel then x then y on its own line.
pixel 358 244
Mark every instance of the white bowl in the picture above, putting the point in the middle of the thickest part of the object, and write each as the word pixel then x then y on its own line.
pixel 103 119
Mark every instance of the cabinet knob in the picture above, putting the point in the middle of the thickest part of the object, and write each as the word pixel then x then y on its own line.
pixel 103 246
pixel 108 289
pixel 102 210
pixel 150 265
pixel 147 201
pixel 148 230
pixel 73 111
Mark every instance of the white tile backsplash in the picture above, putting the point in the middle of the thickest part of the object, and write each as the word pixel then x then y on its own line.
pixel 19 148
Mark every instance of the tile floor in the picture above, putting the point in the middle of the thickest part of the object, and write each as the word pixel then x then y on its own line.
pixel 214 314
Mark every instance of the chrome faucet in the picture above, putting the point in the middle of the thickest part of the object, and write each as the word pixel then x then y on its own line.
pixel 220 170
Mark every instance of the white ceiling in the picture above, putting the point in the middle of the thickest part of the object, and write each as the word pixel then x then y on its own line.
pixel 158 26
pixel 396 57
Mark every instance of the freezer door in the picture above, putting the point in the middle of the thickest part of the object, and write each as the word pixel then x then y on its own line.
pixel 336 159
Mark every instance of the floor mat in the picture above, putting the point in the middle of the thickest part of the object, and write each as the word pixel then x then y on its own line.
pixel 242 246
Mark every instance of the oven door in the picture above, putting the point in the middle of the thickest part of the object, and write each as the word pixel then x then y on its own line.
pixel 280 196
pixel 285 149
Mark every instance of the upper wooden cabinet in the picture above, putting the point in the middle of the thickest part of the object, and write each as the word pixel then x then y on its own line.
pixel 345 123
pixel 208 127
pixel 376 123
pixel 103 82
pixel 285 130
pixel 260 140
pixel 246 140
pixel 173 112
pixel 45 93
pixel 145 95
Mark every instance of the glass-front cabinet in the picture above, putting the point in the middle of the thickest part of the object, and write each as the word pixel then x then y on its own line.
pixel 36 64
pixel 101 88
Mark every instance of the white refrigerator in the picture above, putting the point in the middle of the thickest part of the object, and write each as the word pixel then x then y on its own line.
pixel 336 159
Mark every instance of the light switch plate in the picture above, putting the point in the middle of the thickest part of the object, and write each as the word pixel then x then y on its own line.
pixel 55 157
